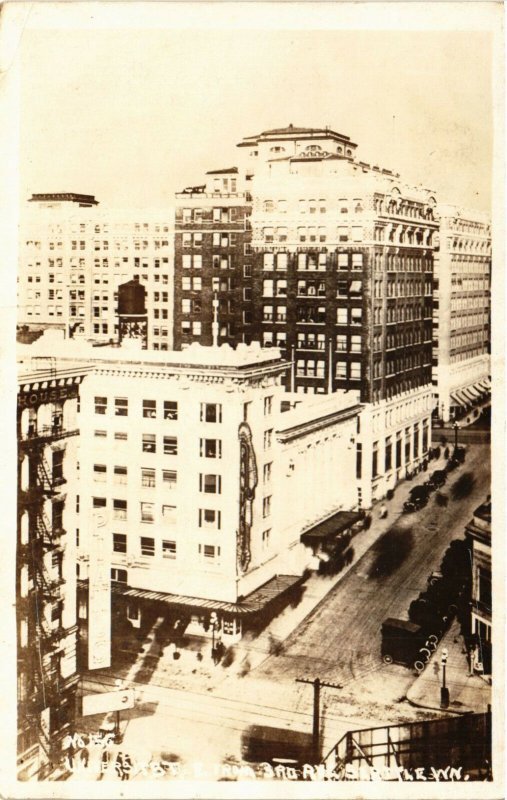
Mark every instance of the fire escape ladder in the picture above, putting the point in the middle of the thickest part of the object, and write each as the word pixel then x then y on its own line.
pixel 44 475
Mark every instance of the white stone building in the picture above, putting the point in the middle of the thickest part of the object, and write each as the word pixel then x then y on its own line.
pixel 462 312
pixel 73 256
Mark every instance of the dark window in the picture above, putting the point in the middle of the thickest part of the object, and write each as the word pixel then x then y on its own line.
pixel 119 542
pixel 170 409
pixel 170 445
pixel 149 409
pixel 147 546
pixel 211 412
pixel 121 406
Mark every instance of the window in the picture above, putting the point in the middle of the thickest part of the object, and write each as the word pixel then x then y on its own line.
pixel 265 537
pixel 356 316
pixel 355 344
pixel 120 475
pixel 101 405
pixel 210 448
pixel 211 412
pixel 100 434
pixel 147 546
pixel 119 575
pixel 210 518
pixel 168 549
pixel 121 406
pixel 266 472
pixel 210 484
pixel 208 552
pixel 170 409
pixel 99 502
pixel 266 506
pixel 170 477
pixel 148 477
pixel 357 260
pixel 343 261
pixel 99 473
pixel 169 515
pixel 355 370
pixel 374 460
pixel 119 509
pixel 57 466
pixel 341 342
pixel 388 454
pixel 267 439
pixel 341 369
pixel 149 409
pixel 268 405
pixel 341 316
pixel 120 542
pixel 120 436
pixel 170 445
pixel 149 443
pixel 147 512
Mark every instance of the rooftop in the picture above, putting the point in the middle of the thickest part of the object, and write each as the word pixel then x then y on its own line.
pixel 72 197
pixel 227 171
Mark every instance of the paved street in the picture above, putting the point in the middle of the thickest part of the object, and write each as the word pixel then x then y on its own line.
pixel 340 640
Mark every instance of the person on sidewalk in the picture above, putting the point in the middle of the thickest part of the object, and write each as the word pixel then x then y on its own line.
pixel 383 512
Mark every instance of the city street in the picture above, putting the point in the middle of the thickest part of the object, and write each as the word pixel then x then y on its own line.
pixel 339 641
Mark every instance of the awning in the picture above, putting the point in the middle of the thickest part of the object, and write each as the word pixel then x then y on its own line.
pixel 331 526
pixel 469 394
pixel 461 401
pixel 473 391
pixel 255 601
pixel 484 385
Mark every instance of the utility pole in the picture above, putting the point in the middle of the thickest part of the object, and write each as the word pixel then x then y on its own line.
pixel 317 686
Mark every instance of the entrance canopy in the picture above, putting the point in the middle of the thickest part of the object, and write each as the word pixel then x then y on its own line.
pixel 329 528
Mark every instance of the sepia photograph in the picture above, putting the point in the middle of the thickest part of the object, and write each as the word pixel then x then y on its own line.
pixel 253 327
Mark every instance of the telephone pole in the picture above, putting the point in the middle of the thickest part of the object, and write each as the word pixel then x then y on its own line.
pixel 317 686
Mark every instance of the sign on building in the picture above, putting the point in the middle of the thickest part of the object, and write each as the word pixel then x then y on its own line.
pixel 108 701
pixel 99 598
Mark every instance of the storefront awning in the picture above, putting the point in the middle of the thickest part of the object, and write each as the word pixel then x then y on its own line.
pixel 474 392
pixel 255 601
pixel 459 399
pixel 338 523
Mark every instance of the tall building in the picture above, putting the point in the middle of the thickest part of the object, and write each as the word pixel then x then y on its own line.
pixel 73 256
pixel 478 534
pixel 462 316
pixel 212 261
pixel 45 565
pixel 341 280
pixel 190 495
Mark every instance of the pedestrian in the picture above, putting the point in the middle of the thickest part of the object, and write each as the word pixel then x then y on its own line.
pixel 85 756
pixel 383 512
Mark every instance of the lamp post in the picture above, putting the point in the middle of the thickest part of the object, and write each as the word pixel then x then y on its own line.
pixel 214 620
pixel 444 691
pixel 456 429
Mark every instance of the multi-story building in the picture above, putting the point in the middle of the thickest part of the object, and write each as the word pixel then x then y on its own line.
pixel 73 256
pixel 478 534
pixel 199 477
pixel 212 260
pixel 45 565
pixel 462 311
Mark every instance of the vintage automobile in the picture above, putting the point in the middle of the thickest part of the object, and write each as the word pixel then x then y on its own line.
pixel 437 479
pixel 418 498
pixel 404 642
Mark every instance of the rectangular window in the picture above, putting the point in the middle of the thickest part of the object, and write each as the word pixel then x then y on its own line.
pixel 210 484
pixel 170 409
pixel 101 405
pixel 341 342
pixel 169 477
pixel 356 316
pixel 120 436
pixel 266 506
pixel 211 412
pixel 374 460
pixel 210 518
pixel 147 546
pixel 266 472
pixel 121 406
pixel 341 370
pixel 170 445
pixel 100 434
pixel 359 460
pixel 388 454
pixel 149 409
pixel 343 260
pixel 147 512
pixel 148 477
pixel 355 370
pixel 149 443
pixel 99 473
pixel 268 435
pixel 120 542
pixel 57 466
pixel 210 448
pixel 341 316
pixel 208 552
pixel 99 502
pixel 169 515
pixel 120 475
pixel 168 548
pixel 120 509
pixel 268 405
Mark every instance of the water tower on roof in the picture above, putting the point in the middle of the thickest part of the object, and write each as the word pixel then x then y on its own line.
pixel 132 314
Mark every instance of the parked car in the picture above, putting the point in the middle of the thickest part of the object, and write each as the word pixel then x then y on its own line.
pixel 437 478
pixel 404 642
pixel 417 499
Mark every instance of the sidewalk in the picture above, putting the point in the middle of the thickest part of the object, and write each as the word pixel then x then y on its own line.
pixel 468 693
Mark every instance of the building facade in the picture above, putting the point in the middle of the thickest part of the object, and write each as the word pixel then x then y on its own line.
pixel 478 534
pixel 212 261
pixel 462 313
pixel 45 563
pixel 73 256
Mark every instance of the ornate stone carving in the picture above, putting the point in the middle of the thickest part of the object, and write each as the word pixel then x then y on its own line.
pixel 248 479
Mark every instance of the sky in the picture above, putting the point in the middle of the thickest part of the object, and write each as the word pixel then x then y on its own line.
pixel 133 115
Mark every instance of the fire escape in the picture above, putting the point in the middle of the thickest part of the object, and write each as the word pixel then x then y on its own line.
pixel 42 557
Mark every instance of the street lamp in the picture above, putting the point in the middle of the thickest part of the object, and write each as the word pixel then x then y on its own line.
pixel 456 429
pixel 444 691
pixel 213 620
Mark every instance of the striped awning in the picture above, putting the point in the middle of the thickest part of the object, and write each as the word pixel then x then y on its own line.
pixel 460 399
pixel 476 393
